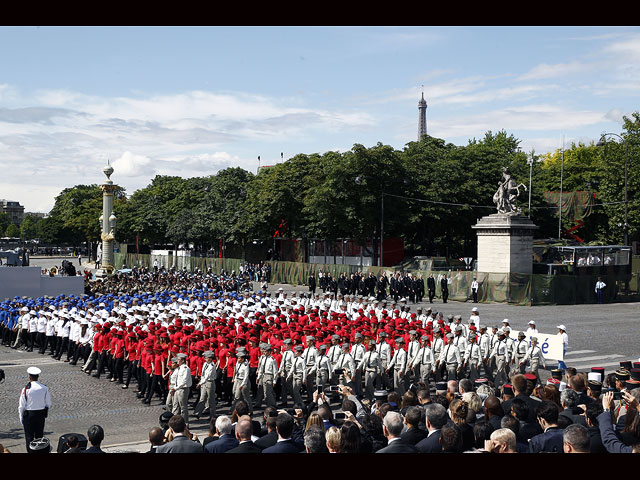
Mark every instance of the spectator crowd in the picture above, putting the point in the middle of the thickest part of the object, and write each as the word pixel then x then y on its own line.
pixel 322 373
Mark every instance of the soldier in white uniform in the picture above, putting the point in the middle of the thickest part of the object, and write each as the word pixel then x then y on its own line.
pixel 297 375
pixel 357 352
pixel 286 364
pixel 384 350
pixel 347 366
pixel 501 354
pixel 33 406
pixel 425 361
pixel 183 385
pixel 473 357
pixel 399 365
pixel 451 359
pixel 520 348
pixel 323 368
pixel 240 382
pixel 310 356
pixel 207 386
pixel 534 358
pixel 371 366
pixel 267 376
pixel 412 351
pixel 438 347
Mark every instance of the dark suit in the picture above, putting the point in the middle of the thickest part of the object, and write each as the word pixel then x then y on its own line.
pixel 430 444
pixel 431 286
pixel 246 447
pixel 93 449
pixel 285 446
pixel 414 435
pixel 550 441
pixel 269 440
pixel 398 446
pixel 444 286
pixel 579 419
pixel 180 444
pixel 224 443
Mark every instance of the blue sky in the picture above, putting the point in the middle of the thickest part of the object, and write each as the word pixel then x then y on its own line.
pixel 191 101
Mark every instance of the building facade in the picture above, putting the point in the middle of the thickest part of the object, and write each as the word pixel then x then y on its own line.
pixel 13 209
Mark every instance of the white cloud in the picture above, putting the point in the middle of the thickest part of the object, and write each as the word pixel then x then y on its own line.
pixel 132 165
pixel 545 71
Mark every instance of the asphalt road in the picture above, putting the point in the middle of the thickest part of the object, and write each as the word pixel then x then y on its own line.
pixel 599 335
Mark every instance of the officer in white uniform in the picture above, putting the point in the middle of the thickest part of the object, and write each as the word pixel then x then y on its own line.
pixel 425 361
pixel 33 406
pixel 286 365
pixel 534 357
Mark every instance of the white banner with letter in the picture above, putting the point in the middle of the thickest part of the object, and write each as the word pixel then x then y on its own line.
pixel 551 346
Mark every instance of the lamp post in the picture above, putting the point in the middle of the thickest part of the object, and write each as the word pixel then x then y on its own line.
pixel 530 162
pixel 602 142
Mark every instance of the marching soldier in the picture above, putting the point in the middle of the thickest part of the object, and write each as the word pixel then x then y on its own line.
pixel 240 381
pixel 450 358
pixel 371 366
pixel 266 377
pixel 310 355
pixel 473 357
pixel 297 375
pixel 500 353
pixel 438 348
pixel 534 357
pixel 399 365
pixel 207 386
pixel 323 368
pixel 384 351
pixel 425 360
pixel 346 366
pixel 519 351
pixel 183 385
pixel 485 350
pixel 358 352
pixel 412 351
pixel 286 364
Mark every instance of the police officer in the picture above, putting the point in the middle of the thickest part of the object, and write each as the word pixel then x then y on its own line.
pixel 35 401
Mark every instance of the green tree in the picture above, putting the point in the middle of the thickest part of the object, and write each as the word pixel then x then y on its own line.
pixel 29 228
pixel 12 231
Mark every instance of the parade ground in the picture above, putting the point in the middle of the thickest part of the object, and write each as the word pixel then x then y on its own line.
pixel 599 335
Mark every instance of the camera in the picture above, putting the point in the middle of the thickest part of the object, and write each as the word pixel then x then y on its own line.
pixel 319 389
pixel 273 413
pixel 338 371
pixel 340 416
pixel 334 388
pixel 617 395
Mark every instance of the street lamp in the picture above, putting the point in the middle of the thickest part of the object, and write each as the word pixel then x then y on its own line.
pixel 601 143
pixel 530 163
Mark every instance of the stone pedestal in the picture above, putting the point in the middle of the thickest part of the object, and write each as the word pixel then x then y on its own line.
pixel 505 243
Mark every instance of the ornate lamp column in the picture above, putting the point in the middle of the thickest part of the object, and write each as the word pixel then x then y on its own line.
pixel 108 220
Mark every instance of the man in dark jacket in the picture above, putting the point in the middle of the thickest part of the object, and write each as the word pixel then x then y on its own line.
pixel 393 425
pixel 95 435
pixel 180 443
pixel 286 444
pixel 551 439
pixel 436 419
pixel 414 433
pixel 227 439
pixel 243 435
